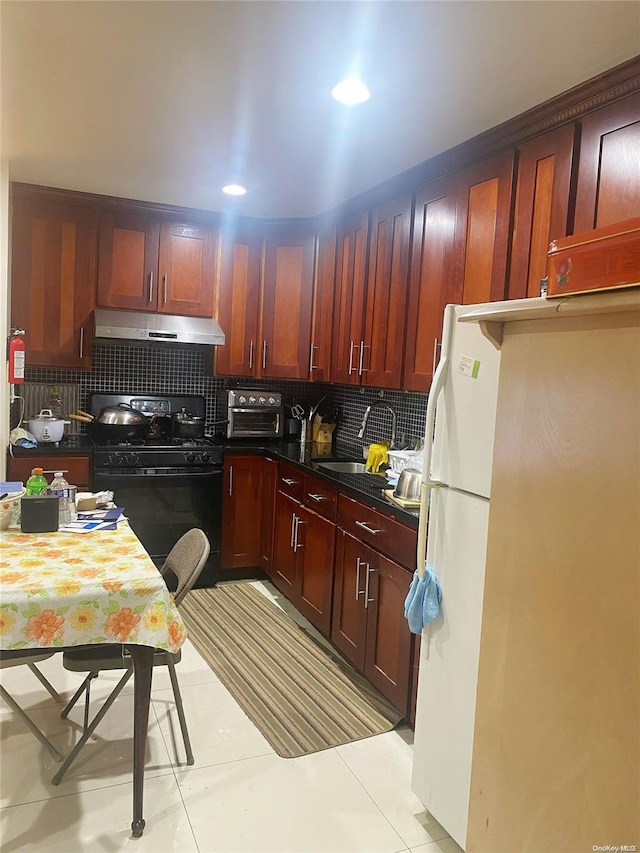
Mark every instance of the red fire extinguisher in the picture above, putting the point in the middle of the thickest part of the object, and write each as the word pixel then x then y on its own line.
pixel 16 356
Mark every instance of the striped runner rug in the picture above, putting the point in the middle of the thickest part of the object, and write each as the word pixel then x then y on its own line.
pixel 301 696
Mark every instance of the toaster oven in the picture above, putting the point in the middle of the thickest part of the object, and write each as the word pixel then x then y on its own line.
pixel 254 414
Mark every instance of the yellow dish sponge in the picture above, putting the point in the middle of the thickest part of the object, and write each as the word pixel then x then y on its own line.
pixel 377 456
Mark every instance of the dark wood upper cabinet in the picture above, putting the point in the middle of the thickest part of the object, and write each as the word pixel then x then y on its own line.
pixel 149 265
pixel 349 299
pixel 483 213
pixel 380 360
pixel 53 280
pixel 239 300
pixel 541 214
pixel 430 283
pixel 609 165
pixel 325 276
pixel 287 303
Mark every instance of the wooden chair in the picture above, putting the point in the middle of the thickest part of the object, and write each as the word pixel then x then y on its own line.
pixel 186 560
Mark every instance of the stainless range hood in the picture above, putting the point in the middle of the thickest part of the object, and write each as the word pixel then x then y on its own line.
pixel 140 326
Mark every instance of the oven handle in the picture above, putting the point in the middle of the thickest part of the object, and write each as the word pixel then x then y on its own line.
pixel 116 475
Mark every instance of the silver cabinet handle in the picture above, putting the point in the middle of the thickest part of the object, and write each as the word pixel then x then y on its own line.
pixel 297 544
pixel 164 289
pixel 436 346
pixel 366 527
pixel 293 524
pixel 366 585
pixel 230 479
pixel 250 354
pixel 351 367
pixel 312 366
pixel 289 481
pixel 359 563
pixel 151 286
pixel 317 497
pixel 361 368
pixel 81 341
pixel 264 354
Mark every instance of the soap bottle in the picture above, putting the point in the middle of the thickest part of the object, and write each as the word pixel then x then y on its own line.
pixel 37 482
pixel 60 487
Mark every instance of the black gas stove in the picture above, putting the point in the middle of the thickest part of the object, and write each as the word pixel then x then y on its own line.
pixel 167 485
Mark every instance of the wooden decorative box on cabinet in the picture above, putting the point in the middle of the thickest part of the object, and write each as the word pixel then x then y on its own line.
pixel 53 279
pixel 77 467
pixel 147 264
pixel 368 624
pixel 304 545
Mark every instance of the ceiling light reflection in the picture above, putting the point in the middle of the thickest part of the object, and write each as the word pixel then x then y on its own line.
pixel 351 91
pixel 234 189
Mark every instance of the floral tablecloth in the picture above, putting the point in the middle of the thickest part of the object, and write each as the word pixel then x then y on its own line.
pixel 68 589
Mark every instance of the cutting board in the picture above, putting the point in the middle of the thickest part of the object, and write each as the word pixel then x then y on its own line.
pixel 405 504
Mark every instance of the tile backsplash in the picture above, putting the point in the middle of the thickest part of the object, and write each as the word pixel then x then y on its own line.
pixel 158 368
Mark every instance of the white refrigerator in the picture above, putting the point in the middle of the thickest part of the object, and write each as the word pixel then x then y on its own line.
pixel 456 491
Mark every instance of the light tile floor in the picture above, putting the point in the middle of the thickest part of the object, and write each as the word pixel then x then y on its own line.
pixel 239 796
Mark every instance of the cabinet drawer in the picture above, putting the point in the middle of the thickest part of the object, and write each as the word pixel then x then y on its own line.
pixel 380 531
pixel 321 497
pixel 291 481
pixel 77 468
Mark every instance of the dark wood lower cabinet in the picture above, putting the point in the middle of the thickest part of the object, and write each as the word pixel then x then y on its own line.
pixel 303 559
pixel 368 617
pixel 269 479
pixel 241 512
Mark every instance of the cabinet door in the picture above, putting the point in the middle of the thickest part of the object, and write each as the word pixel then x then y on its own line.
pixel 348 304
pixel 482 229
pixel 542 206
pixel 238 301
pixel 128 260
pixel 268 490
pixel 53 279
pixel 76 468
pixel 320 348
pixel 388 645
pixel 315 543
pixel 608 171
pixel 286 304
pixel 241 512
pixel 387 294
pixel 187 269
pixel 284 556
pixel 430 283
pixel 348 625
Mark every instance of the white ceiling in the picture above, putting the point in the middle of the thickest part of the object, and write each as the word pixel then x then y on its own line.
pixel 168 101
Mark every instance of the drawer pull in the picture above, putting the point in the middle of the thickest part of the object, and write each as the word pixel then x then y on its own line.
pixel 358 564
pixel 366 527
pixel 289 481
pixel 317 497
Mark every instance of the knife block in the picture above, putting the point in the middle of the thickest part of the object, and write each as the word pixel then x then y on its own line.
pixel 322 433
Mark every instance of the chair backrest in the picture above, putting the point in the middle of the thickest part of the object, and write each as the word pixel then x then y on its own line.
pixel 186 560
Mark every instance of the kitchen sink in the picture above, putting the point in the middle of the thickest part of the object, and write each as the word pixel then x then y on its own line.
pixel 344 467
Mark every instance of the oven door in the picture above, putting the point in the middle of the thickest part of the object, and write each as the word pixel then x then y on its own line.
pixel 255 423
pixel 161 507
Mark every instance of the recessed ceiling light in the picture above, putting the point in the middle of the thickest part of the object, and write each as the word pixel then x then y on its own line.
pixel 351 91
pixel 233 189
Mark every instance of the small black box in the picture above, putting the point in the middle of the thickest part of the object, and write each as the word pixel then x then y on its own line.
pixel 39 513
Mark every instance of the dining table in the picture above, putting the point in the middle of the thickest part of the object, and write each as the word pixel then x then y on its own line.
pixel 64 589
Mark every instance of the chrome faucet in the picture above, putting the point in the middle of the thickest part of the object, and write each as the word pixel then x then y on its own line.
pixel 377 405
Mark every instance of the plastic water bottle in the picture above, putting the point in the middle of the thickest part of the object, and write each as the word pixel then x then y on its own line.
pixel 37 482
pixel 60 487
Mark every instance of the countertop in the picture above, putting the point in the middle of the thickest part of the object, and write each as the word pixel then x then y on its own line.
pixel 367 487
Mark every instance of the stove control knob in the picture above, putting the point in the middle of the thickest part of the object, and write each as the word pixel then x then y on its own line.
pixel 190 457
pixel 205 457
pixel 114 458
pixel 272 401
pixel 262 400
pixel 242 399
pixel 252 399
pixel 132 458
